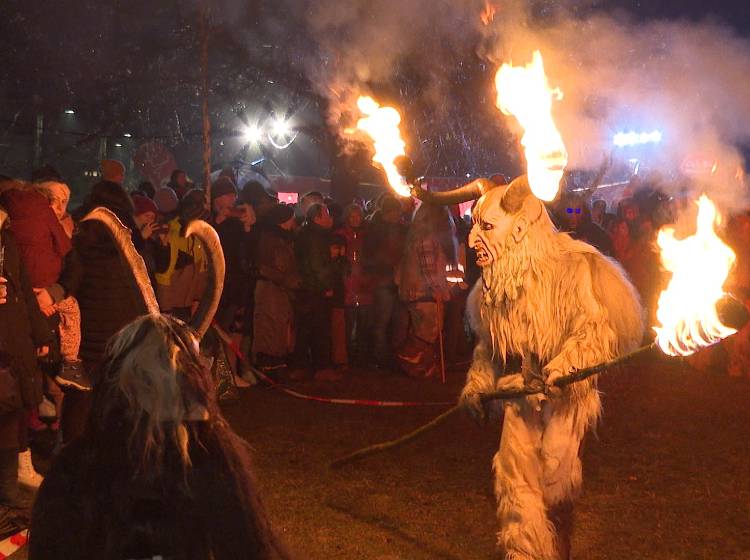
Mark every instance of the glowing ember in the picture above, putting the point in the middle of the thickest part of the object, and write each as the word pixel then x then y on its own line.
pixel 525 93
pixel 488 14
pixel 381 124
pixel 699 265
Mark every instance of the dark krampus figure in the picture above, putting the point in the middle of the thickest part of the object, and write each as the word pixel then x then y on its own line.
pixel 158 471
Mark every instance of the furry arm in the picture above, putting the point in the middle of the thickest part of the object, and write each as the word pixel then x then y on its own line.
pixel 485 376
pixel 590 338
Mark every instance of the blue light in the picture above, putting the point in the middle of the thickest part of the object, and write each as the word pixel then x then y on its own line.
pixel 624 139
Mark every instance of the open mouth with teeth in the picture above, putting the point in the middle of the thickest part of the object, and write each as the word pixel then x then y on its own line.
pixel 483 257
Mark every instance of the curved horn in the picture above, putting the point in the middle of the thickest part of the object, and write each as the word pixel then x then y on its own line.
pixel 123 239
pixel 472 191
pixel 216 269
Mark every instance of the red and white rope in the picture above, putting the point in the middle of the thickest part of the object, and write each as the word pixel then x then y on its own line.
pixel 329 400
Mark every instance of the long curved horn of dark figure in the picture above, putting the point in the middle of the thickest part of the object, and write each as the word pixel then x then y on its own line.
pixel 216 269
pixel 124 241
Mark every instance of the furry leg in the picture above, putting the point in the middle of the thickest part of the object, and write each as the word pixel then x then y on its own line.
pixel 561 516
pixel 525 532
pixel 565 427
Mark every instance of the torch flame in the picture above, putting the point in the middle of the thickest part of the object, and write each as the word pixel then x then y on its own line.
pixel 488 14
pixel 381 124
pixel 699 265
pixel 525 93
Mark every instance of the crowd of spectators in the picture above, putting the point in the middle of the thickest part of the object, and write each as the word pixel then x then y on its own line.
pixel 312 291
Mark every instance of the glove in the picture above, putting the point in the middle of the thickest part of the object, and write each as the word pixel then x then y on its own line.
pixel 550 376
pixel 471 401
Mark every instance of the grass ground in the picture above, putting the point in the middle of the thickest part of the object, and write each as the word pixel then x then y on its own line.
pixel 666 476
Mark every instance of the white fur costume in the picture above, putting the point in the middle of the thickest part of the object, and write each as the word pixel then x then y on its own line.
pixel 542 296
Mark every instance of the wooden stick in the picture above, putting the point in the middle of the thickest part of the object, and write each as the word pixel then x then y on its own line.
pixel 574 377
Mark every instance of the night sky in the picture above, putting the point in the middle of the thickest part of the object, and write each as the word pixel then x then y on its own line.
pixel 131 66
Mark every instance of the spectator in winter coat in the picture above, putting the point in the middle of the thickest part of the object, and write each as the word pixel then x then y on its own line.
pixel 383 248
pixel 422 282
pixel 69 327
pixel 234 220
pixel 41 239
pixel 575 217
pixel 178 183
pixel 180 263
pixel 600 216
pixel 313 304
pixel 277 280
pixel 358 287
pixel 24 334
pixel 102 282
pixel 43 244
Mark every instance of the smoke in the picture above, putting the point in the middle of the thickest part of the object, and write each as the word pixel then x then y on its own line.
pixel 369 44
pixel 686 79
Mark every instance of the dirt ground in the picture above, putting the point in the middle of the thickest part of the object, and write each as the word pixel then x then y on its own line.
pixel 665 475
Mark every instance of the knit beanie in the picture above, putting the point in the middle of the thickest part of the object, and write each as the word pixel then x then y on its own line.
pixel 143 204
pixel 166 200
pixel 112 169
pixel 279 214
pixel 222 186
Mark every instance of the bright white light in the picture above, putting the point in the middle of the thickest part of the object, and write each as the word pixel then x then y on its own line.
pixel 281 134
pixel 281 128
pixel 70 112
pixel 252 134
pixel 623 139
pixel 118 145
pixel 127 135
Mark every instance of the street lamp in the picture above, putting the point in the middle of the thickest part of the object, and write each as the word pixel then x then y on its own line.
pixel 252 134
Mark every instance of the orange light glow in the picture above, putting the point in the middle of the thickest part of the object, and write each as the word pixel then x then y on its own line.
pixel 699 265
pixel 524 92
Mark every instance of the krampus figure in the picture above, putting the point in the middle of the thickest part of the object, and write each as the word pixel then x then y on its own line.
pixel 545 306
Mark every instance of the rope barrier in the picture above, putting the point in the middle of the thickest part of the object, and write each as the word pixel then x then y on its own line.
pixel 560 383
pixel 328 400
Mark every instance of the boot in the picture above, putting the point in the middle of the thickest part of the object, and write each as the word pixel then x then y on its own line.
pixel 27 475
pixel 10 493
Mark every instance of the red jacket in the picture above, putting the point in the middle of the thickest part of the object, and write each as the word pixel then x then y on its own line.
pixel 41 239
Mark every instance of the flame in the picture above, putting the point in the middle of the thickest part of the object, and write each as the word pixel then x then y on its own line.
pixel 488 14
pixel 699 265
pixel 381 124
pixel 525 93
